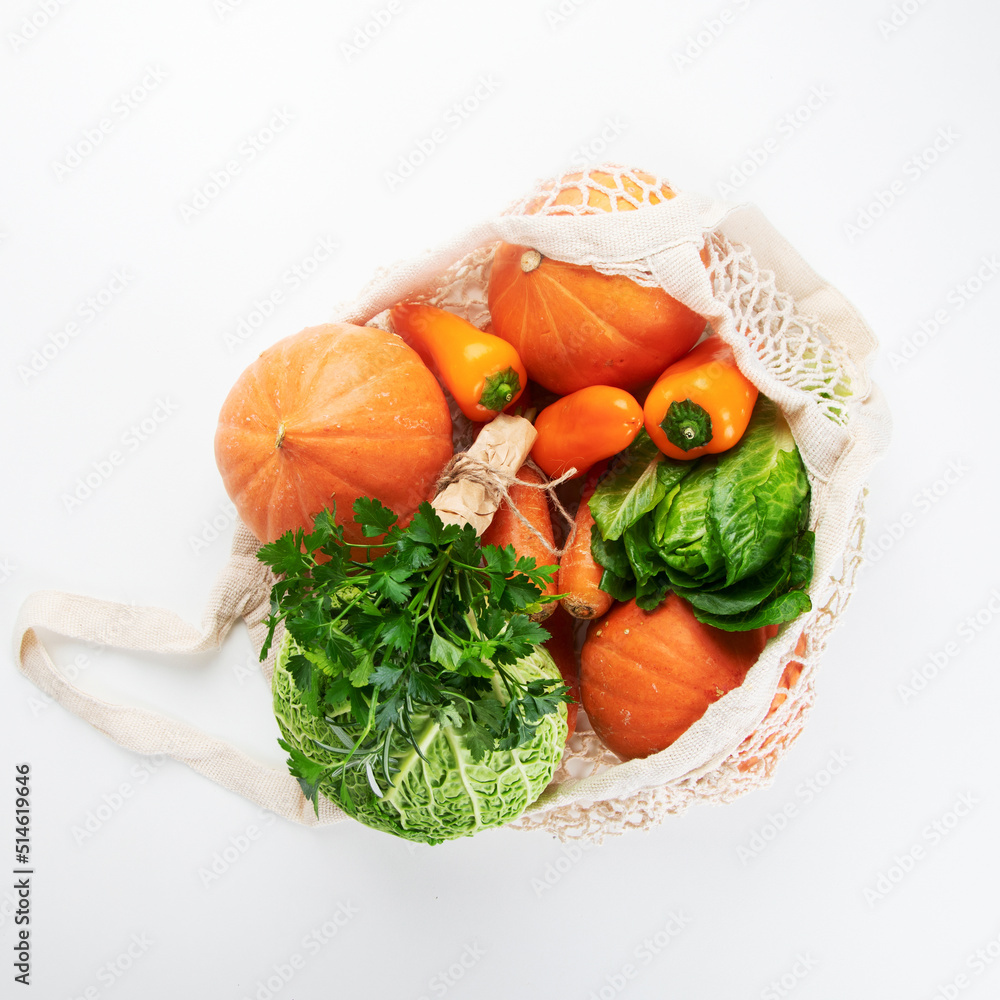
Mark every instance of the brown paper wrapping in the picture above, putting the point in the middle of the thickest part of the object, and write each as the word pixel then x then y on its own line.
pixel 503 445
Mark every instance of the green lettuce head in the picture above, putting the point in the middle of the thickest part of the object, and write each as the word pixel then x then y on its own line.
pixel 441 795
pixel 727 532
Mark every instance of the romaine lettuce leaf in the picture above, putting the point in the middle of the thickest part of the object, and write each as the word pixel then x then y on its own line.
pixel 758 493
pixel 682 531
pixel 727 532
pixel 784 574
pixel 641 479
pixel 774 611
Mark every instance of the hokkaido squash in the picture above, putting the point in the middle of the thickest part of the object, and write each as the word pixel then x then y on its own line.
pixel 779 740
pixel 648 676
pixel 323 417
pixel 574 326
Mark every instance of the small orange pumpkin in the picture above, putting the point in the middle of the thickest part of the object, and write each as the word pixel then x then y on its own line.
pixel 330 414
pixel 648 676
pixel 779 740
pixel 573 326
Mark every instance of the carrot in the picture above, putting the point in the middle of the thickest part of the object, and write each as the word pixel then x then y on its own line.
pixel 562 649
pixel 579 575
pixel 508 529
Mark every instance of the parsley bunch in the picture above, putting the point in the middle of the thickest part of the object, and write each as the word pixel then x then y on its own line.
pixel 425 624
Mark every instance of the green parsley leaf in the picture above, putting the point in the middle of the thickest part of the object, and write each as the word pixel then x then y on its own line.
pixel 307 772
pixel 426 625
pixel 373 516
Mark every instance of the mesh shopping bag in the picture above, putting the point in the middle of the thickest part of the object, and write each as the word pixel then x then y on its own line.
pixel 794 336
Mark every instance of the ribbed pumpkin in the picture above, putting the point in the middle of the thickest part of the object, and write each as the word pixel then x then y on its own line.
pixel 573 326
pixel 646 677
pixel 325 416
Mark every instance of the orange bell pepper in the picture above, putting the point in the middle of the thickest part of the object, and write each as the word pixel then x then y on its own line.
pixel 482 372
pixel 700 405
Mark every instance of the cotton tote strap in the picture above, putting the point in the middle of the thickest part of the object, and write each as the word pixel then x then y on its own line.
pixel 241 591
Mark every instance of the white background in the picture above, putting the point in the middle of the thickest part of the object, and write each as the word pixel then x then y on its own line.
pixel 551 86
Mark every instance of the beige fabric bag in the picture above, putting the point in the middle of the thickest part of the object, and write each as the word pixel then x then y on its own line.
pixel 797 338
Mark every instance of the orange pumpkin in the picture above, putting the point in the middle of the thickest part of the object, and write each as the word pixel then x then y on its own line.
pixel 789 679
pixel 646 677
pixel 330 414
pixel 573 326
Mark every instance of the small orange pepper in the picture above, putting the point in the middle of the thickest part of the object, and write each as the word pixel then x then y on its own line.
pixel 481 371
pixel 700 405
pixel 594 422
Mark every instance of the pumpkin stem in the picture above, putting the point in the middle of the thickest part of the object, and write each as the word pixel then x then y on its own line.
pixel 281 435
pixel 530 259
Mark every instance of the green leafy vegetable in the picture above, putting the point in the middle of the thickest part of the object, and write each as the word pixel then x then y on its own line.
pixel 760 487
pixel 450 781
pixel 641 479
pixel 427 630
pixel 728 532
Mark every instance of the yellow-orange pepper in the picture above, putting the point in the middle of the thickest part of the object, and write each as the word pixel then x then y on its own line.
pixel 700 405
pixel 482 372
